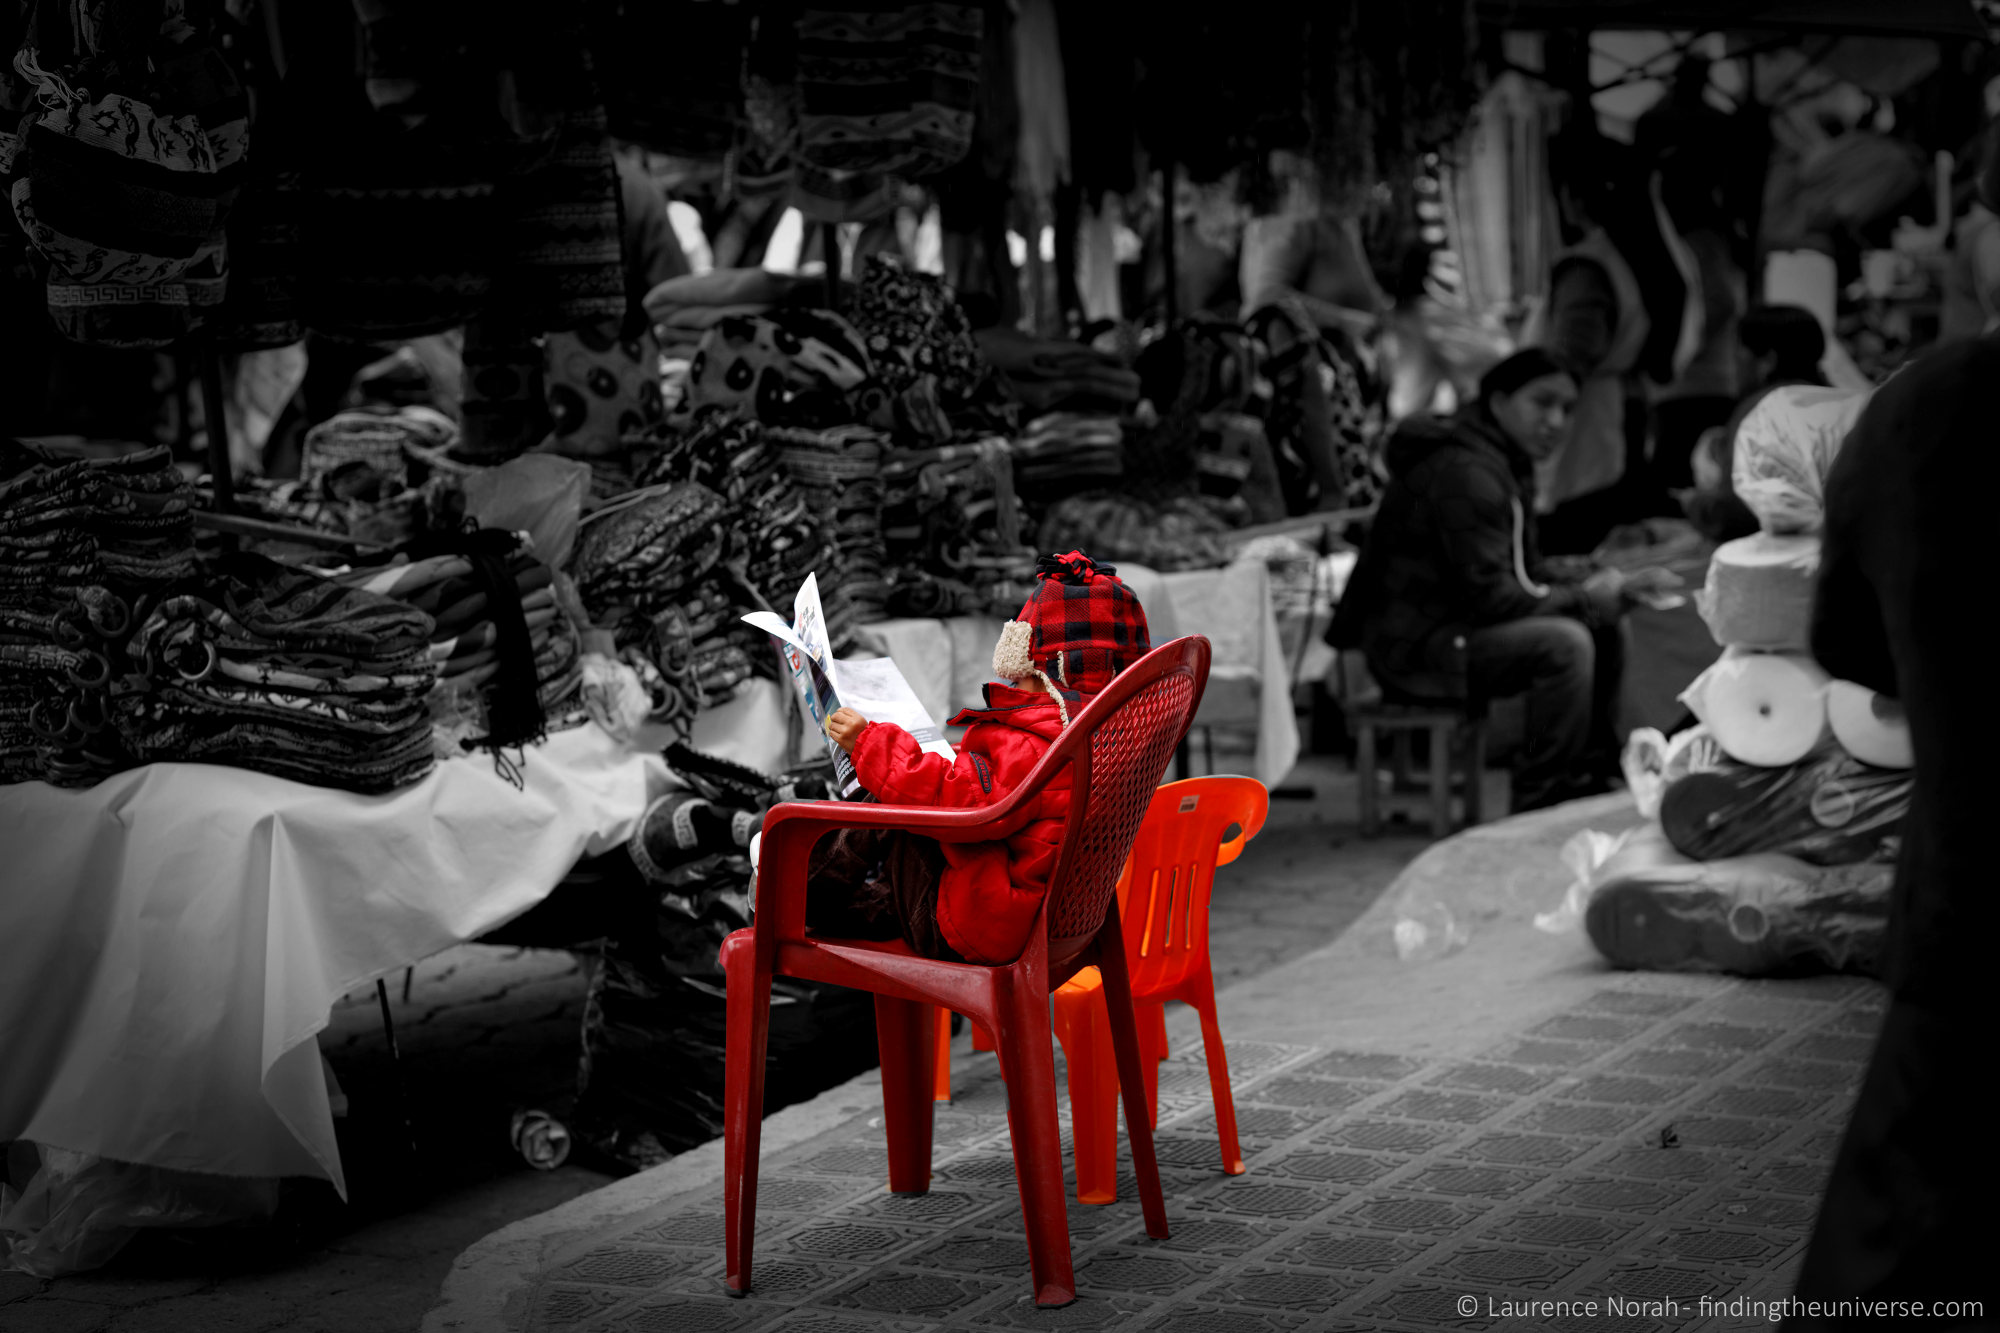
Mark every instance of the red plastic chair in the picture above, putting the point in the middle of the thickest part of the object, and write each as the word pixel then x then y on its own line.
pixel 1114 750
pixel 1164 894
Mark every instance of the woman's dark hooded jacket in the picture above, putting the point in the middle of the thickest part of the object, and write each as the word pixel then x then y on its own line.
pixel 1452 549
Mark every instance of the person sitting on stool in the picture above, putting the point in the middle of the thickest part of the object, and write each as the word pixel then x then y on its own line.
pixel 1451 600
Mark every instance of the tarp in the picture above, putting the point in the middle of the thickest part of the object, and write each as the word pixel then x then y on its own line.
pixel 1907 18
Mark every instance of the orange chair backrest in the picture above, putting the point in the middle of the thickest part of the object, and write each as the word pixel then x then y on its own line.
pixel 1117 747
pixel 1163 894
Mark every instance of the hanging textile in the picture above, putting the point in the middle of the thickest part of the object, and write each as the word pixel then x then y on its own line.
pixel 672 72
pixel 126 168
pixel 1038 75
pixel 886 94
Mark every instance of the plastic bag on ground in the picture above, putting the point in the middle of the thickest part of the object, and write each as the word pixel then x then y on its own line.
pixel 1582 856
pixel 1650 908
pixel 539 494
pixel 1830 809
pixel 1783 451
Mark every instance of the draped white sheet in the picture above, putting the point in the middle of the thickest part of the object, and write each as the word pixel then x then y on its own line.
pixel 173 938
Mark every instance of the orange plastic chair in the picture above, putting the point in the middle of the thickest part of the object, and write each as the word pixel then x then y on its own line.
pixel 1164 894
pixel 1114 752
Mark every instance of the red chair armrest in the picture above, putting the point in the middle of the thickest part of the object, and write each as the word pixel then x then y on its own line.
pixel 792 828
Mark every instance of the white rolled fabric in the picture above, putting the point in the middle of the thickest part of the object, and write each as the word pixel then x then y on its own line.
pixel 1869 726
pixel 1760 592
pixel 1767 709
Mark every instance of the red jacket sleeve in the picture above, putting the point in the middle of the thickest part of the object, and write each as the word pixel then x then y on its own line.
pixel 899 773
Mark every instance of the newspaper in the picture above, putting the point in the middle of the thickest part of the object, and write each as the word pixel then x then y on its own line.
pixel 872 687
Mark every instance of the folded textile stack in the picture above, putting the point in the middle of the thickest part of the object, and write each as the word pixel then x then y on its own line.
pixel 1068 452
pixel 684 309
pixel 85 544
pixel 777 534
pixel 466 641
pixel 1176 534
pixel 840 473
pixel 275 669
pixel 1050 374
pixel 951 528
pixel 385 441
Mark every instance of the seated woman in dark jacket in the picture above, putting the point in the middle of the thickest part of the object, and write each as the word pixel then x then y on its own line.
pixel 1451 599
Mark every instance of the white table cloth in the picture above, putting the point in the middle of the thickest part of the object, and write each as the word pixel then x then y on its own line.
pixel 177 935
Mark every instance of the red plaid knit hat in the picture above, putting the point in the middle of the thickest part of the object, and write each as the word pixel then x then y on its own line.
pixel 1080 627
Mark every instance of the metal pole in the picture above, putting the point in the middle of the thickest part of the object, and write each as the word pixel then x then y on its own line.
pixel 216 422
pixel 1168 259
pixel 829 243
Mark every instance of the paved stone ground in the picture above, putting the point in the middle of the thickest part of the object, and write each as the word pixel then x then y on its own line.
pixel 488 1030
pixel 1661 1142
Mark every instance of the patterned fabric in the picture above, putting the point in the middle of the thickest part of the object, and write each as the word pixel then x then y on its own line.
pixel 913 327
pixel 791 367
pixel 691 112
pixel 887 92
pixel 85 547
pixel 1086 625
pixel 601 390
pixel 643 550
pixel 124 189
pixel 277 670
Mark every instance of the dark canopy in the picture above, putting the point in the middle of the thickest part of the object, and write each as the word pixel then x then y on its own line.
pixel 1907 18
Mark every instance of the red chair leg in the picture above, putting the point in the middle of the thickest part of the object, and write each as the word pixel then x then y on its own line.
pixel 941 1089
pixel 980 1041
pixel 1159 1025
pixel 1218 1074
pixel 1027 1062
pixel 904 1031
pixel 1085 1034
pixel 748 989
pixel 1131 1071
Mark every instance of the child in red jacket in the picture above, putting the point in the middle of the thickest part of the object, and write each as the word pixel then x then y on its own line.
pixel 976 902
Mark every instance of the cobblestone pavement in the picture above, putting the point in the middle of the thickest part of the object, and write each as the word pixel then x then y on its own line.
pixel 1659 1144
pixel 486 1030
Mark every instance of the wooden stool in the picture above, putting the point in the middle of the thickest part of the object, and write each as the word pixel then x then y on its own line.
pixel 1449 727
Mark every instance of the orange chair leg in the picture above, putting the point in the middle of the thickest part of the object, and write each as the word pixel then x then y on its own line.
pixel 1027 1062
pixel 903 1029
pixel 1218 1077
pixel 1151 1016
pixel 941 1089
pixel 1131 1072
pixel 1085 1032
pixel 748 989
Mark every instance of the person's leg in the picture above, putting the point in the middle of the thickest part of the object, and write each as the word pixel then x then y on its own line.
pixel 846 897
pixel 1606 684
pixel 914 870
pixel 1549 659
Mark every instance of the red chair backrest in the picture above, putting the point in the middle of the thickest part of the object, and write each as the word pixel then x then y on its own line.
pixel 1117 747
pixel 1163 898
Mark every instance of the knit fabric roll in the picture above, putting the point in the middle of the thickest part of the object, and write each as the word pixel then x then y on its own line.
pixel 86 546
pixel 280 671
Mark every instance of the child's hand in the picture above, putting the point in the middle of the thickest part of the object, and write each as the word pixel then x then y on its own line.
pixel 845 727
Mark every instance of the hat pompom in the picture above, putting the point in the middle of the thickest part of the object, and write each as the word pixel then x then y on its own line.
pixel 1011 659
